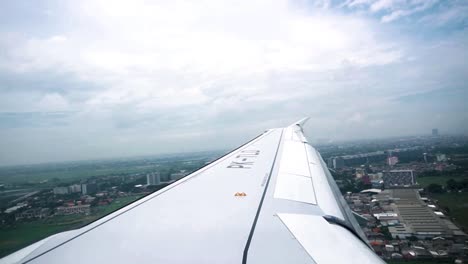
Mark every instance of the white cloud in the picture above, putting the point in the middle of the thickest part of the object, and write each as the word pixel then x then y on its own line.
pixel 53 102
pixel 58 38
pixel 177 53
pixel 421 6
pixel 384 5
pixel 451 13
pixel 355 118
pixel 391 10
pixel 354 3
pixel 160 76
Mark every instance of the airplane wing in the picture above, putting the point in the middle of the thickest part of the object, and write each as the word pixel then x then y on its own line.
pixel 272 200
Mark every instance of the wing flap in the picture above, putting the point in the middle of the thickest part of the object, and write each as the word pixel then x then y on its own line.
pixel 295 187
pixel 322 240
pixel 294 159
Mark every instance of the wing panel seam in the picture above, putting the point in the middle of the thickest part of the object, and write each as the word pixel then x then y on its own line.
pixel 252 230
pixel 310 172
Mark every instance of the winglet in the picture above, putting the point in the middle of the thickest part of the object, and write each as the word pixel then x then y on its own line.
pixel 300 122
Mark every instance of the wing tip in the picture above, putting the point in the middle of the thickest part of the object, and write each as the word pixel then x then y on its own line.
pixel 300 122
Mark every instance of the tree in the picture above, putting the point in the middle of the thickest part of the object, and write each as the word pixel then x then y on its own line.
pixel 434 188
pixel 464 184
pixel 452 185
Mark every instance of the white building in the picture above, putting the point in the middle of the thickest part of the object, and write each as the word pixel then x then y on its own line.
pixel 441 157
pixel 75 188
pixel 78 209
pixel 33 213
pixel 88 188
pixel 401 231
pixel 338 163
pixel 60 190
pixel 16 207
pixel 153 178
pixel 386 216
pixel 392 160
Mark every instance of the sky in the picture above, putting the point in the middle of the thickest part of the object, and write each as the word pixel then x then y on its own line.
pixel 108 78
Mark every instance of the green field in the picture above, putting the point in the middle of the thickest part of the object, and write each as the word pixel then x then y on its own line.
pixel 441 180
pixel 66 175
pixel 116 204
pixel 457 204
pixel 72 171
pixel 24 234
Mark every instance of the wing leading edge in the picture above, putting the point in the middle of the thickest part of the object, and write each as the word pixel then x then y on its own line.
pixel 292 212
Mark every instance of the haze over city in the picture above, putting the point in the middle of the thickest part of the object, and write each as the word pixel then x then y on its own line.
pixel 98 79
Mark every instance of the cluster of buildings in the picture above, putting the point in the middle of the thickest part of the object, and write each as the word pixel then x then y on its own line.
pixel 62 200
pixel 79 198
pixel 394 178
pixel 415 216
pixel 402 224
pixel 88 188
pixel 33 213
pixel 154 178
pixel 386 178
pixel 24 211
pixel 74 209
pixel 388 156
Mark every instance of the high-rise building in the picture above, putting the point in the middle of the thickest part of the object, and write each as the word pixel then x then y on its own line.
pixel 392 160
pixel 435 132
pixel 153 178
pixel 60 190
pixel 88 188
pixel 74 188
pixel 338 163
pixel 441 157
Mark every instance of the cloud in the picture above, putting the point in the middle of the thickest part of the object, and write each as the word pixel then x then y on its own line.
pixel 53 102
pixel 353 3
pixel 33 119
pixel 449 14
pixel 392 10
pixel 148 77
pixel 58 38
pixel 384 5
pixel 184 58
pixel 409 11
pixel 355 118
pixel 216 41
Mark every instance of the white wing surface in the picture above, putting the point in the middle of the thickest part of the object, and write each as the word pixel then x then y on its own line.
pixel 287 210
